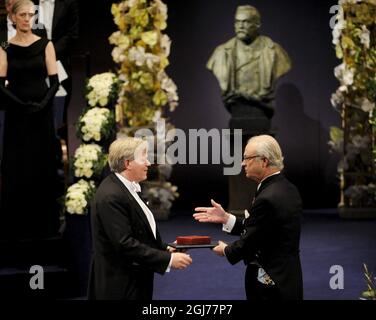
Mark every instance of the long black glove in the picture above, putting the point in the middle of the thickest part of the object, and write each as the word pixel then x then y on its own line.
pixel 54 86
pixel 10 96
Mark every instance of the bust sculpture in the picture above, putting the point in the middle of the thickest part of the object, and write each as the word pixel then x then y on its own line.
pixel 247 68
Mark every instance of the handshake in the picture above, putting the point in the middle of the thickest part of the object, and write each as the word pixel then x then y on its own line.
pixel 215 214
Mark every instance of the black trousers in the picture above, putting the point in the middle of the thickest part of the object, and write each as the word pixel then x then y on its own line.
pixel 257 291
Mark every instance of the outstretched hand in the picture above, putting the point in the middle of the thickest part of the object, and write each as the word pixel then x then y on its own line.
pixel 215 214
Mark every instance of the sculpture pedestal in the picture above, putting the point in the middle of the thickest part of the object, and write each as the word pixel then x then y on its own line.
pixel 253 120
pixel 241 193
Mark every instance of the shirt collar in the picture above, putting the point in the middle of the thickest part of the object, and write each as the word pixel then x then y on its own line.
pixel 132 186
pixel 9 21
pixel 273 174
pixel 51 1
pixel 136 186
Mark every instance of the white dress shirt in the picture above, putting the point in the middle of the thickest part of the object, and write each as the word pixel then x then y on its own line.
pixel 46 15
pixel 133 188
pixel 11 30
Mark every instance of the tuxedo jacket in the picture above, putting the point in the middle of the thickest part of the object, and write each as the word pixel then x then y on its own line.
pixel 65 26
pixel 271 235
pixel 126 253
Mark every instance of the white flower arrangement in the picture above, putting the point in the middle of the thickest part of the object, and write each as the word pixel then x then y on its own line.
pixel 345 75
pixel 361 195
pixel 162 195
pixel 170 88
pixel 337 99
pixel 99 89
pixel 95 124
pixel 141 89
pixel 338 28
pixel 366 105
pixel 365 37
pixel 78 196
pixel 353 36
pixel 141 58
pixel 89 160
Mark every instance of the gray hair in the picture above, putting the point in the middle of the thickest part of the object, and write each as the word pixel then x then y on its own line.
pixel 268 147
pixel 123 149
pixel 20 3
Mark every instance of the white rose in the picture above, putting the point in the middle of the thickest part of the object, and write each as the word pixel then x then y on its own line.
pixel 365 37
pixel 103 101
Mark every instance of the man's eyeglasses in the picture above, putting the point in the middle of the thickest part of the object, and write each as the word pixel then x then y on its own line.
pixel 250 157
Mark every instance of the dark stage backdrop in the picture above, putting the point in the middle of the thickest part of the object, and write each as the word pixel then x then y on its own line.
pixel 303 111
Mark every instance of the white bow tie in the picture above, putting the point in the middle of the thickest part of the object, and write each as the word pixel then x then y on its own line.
pixel 136 186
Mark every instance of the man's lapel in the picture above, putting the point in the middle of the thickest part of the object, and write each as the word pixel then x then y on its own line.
pixel 140 212
pixel 57 13
pixel 264 185
pixel 134 204
pixel 268 181
pixel 3 30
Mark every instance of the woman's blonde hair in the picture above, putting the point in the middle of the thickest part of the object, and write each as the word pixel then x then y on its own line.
pixel 20 3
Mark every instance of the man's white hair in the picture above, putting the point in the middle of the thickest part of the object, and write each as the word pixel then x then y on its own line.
pixel 268 147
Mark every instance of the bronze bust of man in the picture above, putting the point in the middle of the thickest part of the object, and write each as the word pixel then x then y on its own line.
pixel 247 67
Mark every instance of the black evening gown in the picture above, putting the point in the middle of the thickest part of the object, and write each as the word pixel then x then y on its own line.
pixel 29 168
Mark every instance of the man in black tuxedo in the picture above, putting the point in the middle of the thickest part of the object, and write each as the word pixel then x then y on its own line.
pixel 61 19
pixel 270 232
pixel 127 246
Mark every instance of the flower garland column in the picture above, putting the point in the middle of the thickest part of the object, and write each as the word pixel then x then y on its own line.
pixel 354 36
pixel 141 51
pixel 95 128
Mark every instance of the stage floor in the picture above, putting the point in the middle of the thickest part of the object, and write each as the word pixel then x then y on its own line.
pixel 326 241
